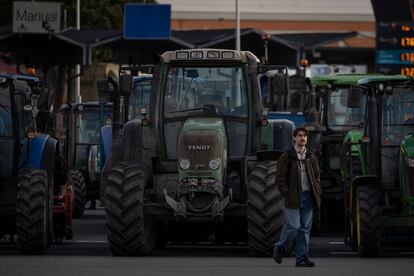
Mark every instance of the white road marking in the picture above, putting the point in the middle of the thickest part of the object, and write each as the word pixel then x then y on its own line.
pixel 80 241
pixel 336 242
pixel 344 253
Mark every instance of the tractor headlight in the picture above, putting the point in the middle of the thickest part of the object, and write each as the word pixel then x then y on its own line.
pixel 185 164
pixel 214 164
pixel 410 162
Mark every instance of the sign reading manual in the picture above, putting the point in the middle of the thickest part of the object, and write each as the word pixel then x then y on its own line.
pixel 143 21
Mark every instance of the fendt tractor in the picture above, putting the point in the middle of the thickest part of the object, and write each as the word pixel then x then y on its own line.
pixel 336 117
pixel 377 165
pixel 189 169
pixel 35 195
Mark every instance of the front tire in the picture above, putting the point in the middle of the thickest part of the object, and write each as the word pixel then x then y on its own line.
pixel 79 192
pixel 129 232
pixel 264 209
pixel 368 224
pixel 32 212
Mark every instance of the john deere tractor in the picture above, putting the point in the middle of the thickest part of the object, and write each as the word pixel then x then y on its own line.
pixel 188 169
pixel 376 162
pixel 334 96
pixel 35 194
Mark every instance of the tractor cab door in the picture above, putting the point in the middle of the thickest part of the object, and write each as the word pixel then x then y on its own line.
pixel 206 91
pixel 397 122
pixel 6 130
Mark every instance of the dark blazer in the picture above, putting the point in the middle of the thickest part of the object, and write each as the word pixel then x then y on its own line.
pixel 289 179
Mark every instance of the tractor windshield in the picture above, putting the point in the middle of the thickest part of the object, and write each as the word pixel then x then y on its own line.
pixel 397 115
pixel 88 126
pixel 345 110
pixel 87 133
pixel 140 97
pixel 191 91
pixel 191 88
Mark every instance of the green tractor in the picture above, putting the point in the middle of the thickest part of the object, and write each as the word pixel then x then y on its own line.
pixel 335 118
pixel 376 163
pixel 189 169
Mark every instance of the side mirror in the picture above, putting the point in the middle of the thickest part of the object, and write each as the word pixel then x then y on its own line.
pixel 103 91
pixel 126 84
pixel 354 97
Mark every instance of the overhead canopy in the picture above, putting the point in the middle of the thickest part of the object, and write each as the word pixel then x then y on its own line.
pixel 138 51
pixel 75 46
pixel 307 41
pixel 42 49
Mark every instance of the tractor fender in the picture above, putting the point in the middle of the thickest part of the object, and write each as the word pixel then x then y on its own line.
pixel 36 148
pixel 49 161
pixel 42 155
pixel 132 141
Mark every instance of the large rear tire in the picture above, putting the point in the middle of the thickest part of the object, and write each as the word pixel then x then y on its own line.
pixel 32 212
pixel 264 209
pixel 129 232
pixel 368 223
pixel 79 192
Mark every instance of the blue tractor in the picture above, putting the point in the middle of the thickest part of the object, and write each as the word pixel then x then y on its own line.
pixel 35 192
pixel 82 149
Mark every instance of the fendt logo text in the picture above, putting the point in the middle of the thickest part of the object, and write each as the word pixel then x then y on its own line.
pixel 199 147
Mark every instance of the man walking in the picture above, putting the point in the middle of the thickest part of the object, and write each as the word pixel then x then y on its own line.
pixel 298 180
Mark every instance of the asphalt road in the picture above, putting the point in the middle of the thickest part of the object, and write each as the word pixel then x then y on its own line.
pixel 88 254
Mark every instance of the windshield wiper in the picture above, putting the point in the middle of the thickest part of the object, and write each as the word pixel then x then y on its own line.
pixel 205 107
pixel 186 110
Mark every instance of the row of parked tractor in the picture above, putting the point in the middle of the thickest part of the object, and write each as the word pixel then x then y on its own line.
pixel 189 153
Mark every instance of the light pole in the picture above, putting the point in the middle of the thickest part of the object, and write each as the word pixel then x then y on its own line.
pixel 237 26
pixel 78 98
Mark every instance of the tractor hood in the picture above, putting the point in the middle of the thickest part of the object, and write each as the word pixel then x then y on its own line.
pixel 407 146
pixel 353 136
pixel 202 149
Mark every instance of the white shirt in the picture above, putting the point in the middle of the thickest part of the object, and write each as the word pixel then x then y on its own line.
pixel 303 175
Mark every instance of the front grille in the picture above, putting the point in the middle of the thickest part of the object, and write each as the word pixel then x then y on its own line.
pixel 200 146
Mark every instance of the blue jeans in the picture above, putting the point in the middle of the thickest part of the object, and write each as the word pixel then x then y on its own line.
pixel 297 225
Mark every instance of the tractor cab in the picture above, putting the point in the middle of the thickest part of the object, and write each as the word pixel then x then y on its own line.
pixel 377 166
pixel 16 122
pixel 284 93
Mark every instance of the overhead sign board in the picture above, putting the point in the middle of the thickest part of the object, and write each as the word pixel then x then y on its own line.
pixel 143 21
pixel 395 48
pixel 36 17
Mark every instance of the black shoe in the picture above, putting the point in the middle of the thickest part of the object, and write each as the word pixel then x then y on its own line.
pixel 305 262
pixel 277 255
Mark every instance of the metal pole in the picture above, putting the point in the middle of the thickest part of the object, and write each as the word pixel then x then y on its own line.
pixel 78 98
pixel 237 26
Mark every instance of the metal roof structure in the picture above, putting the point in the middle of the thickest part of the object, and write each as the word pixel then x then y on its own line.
pixel 75 46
